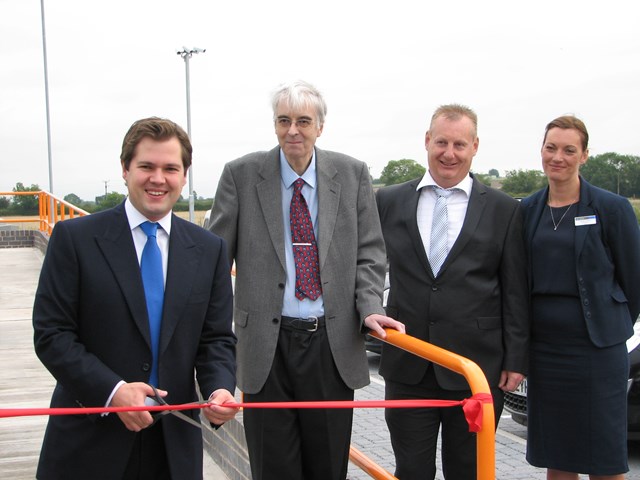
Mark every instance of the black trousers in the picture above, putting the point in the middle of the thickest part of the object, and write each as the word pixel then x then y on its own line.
pixel 148 460
pixel 300 444
pixel 414 431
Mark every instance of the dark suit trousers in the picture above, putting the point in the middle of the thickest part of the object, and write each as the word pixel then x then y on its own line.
pixel 300 444
pixel 148 460
pixel 414 431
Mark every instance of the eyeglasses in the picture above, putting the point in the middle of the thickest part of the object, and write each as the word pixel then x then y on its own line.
pixel 301 123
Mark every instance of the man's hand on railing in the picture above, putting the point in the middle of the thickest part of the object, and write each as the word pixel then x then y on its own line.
pixel 377 323
pixel 509 381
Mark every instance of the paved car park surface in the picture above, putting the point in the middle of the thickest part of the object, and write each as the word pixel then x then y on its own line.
pixel 371 436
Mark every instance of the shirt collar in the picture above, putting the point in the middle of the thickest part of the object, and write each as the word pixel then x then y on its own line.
pixel 427 181
pixel 289 175
pixel 135 218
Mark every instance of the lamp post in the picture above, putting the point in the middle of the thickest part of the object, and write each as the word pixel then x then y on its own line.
pixel 46 100
pixel 186 54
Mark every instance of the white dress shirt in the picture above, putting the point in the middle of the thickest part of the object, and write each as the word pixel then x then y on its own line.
pixel 135 219
pixel 456 209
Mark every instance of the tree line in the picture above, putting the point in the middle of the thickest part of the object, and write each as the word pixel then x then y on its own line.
pixel 28 204
pixel 612 171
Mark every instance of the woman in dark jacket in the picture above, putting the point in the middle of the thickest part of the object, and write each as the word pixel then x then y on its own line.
pixel 583 246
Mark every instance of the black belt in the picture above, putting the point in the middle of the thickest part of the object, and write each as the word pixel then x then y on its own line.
pixel 310 324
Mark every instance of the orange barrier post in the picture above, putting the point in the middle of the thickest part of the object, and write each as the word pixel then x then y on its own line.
pixel 486 453
pixel 368 466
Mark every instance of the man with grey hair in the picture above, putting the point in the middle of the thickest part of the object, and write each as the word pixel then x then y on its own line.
pixel 302 227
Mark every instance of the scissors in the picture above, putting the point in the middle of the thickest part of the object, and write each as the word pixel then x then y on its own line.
pixel 158 415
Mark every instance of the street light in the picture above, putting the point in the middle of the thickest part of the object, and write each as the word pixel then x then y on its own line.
pixel 46 101
pixel 186 54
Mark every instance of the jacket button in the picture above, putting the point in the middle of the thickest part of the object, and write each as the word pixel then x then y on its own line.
pixel 281 286
pixel 434 288
pixel 146 367
pixel 276 320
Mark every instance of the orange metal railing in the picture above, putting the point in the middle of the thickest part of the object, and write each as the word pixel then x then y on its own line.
pixel 51 209
pixel 486 450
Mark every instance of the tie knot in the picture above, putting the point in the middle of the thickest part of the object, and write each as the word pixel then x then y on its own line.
pixel 297 185
pixel 443 192
pixel 149 228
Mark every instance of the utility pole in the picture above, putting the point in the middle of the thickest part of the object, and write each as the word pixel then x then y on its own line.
pixel 46 95
pixel 186 54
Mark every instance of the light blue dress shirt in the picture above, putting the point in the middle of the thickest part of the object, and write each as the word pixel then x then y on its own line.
pixel 292 307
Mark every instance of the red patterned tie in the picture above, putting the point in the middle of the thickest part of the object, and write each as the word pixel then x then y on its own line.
pixel 305 248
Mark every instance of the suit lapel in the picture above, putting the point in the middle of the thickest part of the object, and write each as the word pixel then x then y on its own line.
pixel 328 201
pixel 412 196
pixel 184 257
pixel 584 208
pixel 533 214
pixel 270 198
pixel 116 245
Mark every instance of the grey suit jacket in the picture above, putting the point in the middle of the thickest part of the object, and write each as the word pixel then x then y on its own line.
pixel 247 213
pixel 477 306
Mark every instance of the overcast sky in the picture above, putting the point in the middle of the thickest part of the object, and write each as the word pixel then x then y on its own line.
pixel 382 66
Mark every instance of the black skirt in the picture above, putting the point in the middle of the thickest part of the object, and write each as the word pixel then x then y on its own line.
pixel 577 394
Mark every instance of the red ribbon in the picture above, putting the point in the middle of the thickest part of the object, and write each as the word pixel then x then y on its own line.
pixel 472 407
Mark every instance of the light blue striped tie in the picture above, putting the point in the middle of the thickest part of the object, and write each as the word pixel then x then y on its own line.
pixel 153 281
pixel 438 249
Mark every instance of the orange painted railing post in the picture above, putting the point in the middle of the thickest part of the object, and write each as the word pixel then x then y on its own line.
pixel 486 449
pixel 368 466
pixel 50 210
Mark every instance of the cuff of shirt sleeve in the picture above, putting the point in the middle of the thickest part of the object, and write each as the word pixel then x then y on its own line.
pixel 113 392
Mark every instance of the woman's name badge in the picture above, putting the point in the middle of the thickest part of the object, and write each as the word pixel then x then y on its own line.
pixel 586 220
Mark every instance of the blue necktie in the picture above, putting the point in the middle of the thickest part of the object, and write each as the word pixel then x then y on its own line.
pixel 153 280
pixel 438 249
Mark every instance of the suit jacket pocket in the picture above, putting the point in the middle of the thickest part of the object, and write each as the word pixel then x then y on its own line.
pixel 489 323
pixel 619 296
pixel 240 317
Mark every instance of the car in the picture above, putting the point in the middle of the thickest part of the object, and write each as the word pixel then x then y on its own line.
pixel 516 402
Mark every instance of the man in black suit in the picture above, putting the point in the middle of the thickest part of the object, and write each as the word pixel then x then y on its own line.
pixel 93 333
pixel 463 289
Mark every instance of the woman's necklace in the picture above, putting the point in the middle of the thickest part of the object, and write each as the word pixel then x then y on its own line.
pixel 556 225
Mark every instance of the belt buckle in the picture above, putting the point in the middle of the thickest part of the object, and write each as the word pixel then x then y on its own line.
pixel 315 324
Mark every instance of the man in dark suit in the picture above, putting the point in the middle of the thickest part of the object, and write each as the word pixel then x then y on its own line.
pixel 93 331
pixel 296 342
pixel 458 280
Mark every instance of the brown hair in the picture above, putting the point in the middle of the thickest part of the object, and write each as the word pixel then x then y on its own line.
pixel 158 129
pixel 566 122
